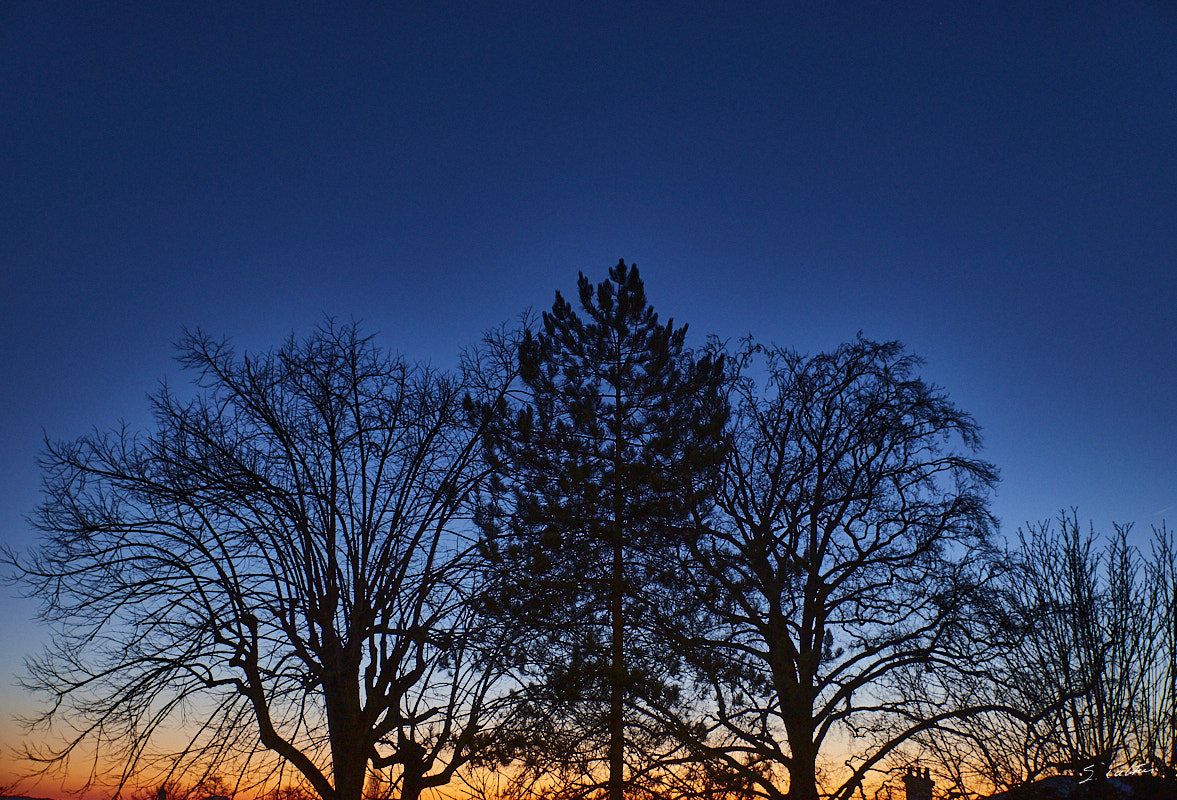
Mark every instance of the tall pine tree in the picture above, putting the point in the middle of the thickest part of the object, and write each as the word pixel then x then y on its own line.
pixel 602 463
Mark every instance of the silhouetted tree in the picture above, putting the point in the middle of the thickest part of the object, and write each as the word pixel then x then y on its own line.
pixel 1155 726
pixel 1086 664
pixel 280 566
pixel 1093 629
pixel 608 452
pixel 849 540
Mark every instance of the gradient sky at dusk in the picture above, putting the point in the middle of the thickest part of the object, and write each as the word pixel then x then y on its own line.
pixel 994 184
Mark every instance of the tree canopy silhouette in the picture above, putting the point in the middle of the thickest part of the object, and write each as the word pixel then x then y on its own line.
pixel 601 465
pixel 279 571
pixel 595 558
pixel 1094 657
pixel 841 557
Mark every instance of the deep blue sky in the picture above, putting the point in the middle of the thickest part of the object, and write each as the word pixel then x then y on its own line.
pixel 995 184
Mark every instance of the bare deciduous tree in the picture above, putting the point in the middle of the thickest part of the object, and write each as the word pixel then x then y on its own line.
pixel 278 573
pixel 1093 632
pixel 1085 661
pixel 1155 728
pixel 845 551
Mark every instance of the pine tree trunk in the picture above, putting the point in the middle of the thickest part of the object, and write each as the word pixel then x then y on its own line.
pixel 617 620
pixel 617 694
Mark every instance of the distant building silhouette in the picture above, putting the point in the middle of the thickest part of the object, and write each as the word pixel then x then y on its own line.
pixel 162 794
pixel 918 783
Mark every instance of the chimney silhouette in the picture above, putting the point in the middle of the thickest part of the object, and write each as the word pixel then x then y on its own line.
pixel 918 783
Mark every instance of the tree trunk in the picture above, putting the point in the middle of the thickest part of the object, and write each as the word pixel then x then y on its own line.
pixel 803 770
pixel 803 752
pixel 413 759
pixel 617 620
pixel 617 690
pixel 349 759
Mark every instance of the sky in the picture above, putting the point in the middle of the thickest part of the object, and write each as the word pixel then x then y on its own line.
pixel 992 183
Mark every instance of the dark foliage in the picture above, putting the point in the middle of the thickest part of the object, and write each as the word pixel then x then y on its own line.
pixel 606 457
